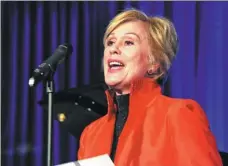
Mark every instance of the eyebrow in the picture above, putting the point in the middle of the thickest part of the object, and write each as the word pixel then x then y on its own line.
pixel 128 33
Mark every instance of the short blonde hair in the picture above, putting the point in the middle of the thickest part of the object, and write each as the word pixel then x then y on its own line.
pixel 162 38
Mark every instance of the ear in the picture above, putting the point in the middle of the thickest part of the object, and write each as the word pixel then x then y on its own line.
pixel 153 69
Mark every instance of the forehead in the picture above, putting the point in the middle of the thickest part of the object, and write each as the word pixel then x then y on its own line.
pixel 137 27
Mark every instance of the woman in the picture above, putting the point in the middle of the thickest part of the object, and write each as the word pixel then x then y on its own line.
pixel 143 127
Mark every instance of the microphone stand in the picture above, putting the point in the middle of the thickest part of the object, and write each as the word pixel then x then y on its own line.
pixel 50 89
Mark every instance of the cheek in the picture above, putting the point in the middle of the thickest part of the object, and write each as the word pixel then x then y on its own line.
pixel 139 64
pixel 138 59
pixel 105 56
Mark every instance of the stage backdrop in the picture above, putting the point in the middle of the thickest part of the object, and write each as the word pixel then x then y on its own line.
pixel 31 31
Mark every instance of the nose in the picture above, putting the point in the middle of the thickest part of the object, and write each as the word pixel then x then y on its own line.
pixel 114 49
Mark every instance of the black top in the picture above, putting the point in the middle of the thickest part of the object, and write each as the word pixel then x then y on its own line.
pixel 122 103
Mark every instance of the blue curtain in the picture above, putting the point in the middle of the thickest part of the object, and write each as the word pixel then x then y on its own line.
pixel 31 31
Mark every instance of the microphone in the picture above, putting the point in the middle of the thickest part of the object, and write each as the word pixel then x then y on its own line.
pixel 49 66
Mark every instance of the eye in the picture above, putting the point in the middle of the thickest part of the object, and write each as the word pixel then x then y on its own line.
pixel 109 43
pixel 129 43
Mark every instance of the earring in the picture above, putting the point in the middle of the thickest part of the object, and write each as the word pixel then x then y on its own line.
pixel 150 72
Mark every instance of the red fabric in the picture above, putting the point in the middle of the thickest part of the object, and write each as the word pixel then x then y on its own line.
pixel 159 131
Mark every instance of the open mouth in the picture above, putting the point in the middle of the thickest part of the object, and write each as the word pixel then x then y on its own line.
pixel 115 64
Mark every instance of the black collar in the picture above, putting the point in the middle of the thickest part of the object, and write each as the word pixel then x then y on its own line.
pixel 122 102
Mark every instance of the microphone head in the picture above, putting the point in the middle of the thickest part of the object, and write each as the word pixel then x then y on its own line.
pixel 67 46
pixel 49 66
pixel 61 53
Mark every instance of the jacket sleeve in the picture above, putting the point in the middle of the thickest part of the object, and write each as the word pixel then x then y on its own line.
pixel 191 136
pixel 82 142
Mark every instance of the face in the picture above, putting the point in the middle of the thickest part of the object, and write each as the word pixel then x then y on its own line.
pixel 126 55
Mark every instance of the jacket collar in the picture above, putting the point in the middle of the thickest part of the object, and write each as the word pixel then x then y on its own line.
pixel 142 92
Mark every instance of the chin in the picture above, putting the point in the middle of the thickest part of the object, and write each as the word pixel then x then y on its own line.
pixel 111 82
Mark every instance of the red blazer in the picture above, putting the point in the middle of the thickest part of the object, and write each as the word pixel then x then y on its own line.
pixel 159 131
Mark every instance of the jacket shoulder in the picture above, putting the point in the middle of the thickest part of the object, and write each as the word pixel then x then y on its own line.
pixel 180 102
pixel 176 106
pixel 185 108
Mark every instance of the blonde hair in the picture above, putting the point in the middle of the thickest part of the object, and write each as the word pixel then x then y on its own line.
pixel 162 38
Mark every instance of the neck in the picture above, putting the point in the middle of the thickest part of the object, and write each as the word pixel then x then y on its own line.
pixel 135 85
pixel 119 92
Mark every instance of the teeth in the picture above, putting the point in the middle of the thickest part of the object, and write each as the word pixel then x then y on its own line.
pixel 114 63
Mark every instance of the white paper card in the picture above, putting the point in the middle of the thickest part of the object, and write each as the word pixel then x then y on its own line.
pixel 67 164
pixel 102 160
